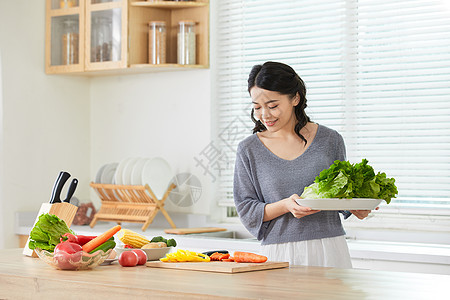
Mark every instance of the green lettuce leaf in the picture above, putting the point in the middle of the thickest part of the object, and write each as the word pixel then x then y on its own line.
pixel 43 246
pixel 47 232
pixel 345 180
pixel 38 235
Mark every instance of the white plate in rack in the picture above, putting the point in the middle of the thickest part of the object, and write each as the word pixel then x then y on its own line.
pixel 157 174
pixel 340 204
pixel 98 177
pixel 119 171
pixel 127 169
pixel 136 173
pixel 108 173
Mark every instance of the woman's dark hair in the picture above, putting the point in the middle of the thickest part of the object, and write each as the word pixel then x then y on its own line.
pixel 281 78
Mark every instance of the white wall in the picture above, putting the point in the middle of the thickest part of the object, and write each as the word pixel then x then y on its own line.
pixel 46 124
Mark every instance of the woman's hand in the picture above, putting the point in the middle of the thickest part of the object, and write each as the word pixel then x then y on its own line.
pixel 297 210
pixel 362 214
pixel 284 206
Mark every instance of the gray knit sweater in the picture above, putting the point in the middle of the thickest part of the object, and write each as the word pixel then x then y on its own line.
pixel 261 177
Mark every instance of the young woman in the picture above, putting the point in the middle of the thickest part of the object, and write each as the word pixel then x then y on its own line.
pixel 273 166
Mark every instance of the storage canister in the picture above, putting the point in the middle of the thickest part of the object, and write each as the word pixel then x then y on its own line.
pixel 67 3
pixel 157 42
pixel 101 39
pixel 186 43
pixel 70 42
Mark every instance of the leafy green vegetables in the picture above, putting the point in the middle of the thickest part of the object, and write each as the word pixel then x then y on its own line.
pixel 345 180
pixel 47 232
pixel 169 242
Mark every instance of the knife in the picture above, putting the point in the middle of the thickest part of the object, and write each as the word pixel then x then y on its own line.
pixel 71 191
pixel 58 186
pixel 209 253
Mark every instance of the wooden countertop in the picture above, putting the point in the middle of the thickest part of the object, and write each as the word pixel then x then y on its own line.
pixel 24 277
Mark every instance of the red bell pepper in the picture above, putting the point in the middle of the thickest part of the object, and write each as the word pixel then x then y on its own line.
pixel 83 239
pixel 78 239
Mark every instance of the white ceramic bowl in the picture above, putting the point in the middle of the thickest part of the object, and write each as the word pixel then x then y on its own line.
pixel 152 254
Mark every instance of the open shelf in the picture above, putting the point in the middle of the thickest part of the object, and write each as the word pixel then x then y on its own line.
pixel 169 4
pixel 170 12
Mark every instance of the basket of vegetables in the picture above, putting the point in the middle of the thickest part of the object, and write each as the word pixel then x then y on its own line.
pixel 59 247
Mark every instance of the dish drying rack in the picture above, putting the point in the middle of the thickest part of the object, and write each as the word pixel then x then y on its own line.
pixel 129 203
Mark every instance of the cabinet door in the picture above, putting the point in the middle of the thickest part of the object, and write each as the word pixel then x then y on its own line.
pixel 106 34
pixel 64 41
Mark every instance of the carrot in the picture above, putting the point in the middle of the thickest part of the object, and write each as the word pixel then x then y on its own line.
pixel 228 259
pixel 216 256
pixel 94 243
pixel 224 256
pixel 249 257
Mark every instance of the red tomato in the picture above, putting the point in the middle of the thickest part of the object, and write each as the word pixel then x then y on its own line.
pixel 128 259
pixel 141 255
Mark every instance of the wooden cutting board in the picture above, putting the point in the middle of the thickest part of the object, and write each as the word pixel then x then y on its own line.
pixel 218 266
pixel 193 230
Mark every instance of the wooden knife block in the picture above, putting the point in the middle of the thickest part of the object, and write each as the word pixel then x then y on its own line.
pixel 65 211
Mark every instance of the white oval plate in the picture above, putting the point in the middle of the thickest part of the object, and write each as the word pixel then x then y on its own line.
pixel 157 174
pixel 136 173
pixel 108 173
pixel 340 204
pixel 98 177
pixel 126 172
pixel 120 167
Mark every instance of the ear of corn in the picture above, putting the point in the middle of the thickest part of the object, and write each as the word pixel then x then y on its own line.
pixel 132 238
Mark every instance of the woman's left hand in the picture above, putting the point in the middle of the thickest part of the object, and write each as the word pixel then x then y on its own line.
pixel 362 214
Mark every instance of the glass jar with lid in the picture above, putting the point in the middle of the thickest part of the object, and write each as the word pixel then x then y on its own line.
pixel 157 42
pixel 101 39
pixel 68 3
pixel 186 46
pixel 70 42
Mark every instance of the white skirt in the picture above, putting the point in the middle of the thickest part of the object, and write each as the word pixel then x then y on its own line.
pixel 326 252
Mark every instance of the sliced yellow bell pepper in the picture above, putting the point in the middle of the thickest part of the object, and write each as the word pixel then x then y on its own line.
pixel 185 256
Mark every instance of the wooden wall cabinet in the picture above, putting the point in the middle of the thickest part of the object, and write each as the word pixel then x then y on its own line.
pixel 64 37
pixel 106 35
pixel 101 37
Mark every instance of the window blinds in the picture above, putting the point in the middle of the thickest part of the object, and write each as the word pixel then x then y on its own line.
pixel 376 71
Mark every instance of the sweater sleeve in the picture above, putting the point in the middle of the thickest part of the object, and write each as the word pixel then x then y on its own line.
pixel 345 213
pixel 248 205
pixel 340 148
